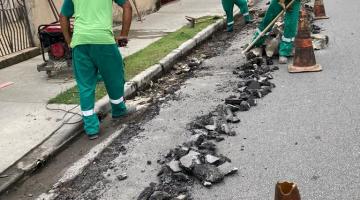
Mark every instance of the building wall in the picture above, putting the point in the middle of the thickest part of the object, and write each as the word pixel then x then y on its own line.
pixel 39 12
pixel 144 7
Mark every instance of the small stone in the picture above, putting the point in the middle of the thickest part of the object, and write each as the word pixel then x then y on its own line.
pixel 227 169
pixel 207 184
pixel 204 56
pixel 265 90
pixel 143 170
pixel 174 165
pixel 122 177
pixel 210 127
pixel 225 129
pixel 211 159
pixel 194 62
pixel 219 139
pixel 233 108
pixel 233 101
pixel 30 195
pixel 232 133
pixel 197 139
pixel 273 68
pixel 235 120
pixel 181 197
pixel 244 106
pixel 208 145
pixel 252 101
pixel 241 84
pixel 242 89
pixel 160 195
pixel 178 72
pixel 200 132
pixel 269 76
pixel 244 96
pixel 269 61
pixel 262 79
pixel 148 162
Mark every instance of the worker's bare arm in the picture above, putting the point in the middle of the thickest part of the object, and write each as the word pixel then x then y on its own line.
pixel 126 23
pixel 65 27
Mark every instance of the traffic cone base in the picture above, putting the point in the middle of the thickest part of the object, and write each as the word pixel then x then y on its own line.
pixel 304 57
pixel 286 191
pixel 319 10
pixel 295 69
pixel 323 17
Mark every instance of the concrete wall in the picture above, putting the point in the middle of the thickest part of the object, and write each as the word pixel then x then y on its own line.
pixel 39 12
pixel 144 7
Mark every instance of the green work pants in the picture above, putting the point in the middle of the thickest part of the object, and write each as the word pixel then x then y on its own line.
pixel 88 61
pixel 291 21
pixel 228 6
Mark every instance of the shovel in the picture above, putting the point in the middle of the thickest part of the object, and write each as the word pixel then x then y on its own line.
pixel 267 28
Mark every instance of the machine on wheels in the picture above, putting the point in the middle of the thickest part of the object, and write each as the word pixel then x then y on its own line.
pixel 55 52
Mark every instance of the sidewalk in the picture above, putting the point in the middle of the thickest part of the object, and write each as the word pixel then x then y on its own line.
pixel 25 121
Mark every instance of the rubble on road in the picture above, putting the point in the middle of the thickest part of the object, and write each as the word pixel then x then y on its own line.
pixel 198 159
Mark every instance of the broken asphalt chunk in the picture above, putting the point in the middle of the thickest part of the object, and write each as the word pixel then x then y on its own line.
pixel 181 197
pixel 208 146
pixel 208 173
pixel 273 68
pixel 244 106
pixel 210 127
pixel 227 169
pixel 190 160
pixel 122 177
pixel 253 85
pixel 233 101
pixel 147 192
pixel 252 101
pixel 225 129
pixel 174 165
pixel 160 195
pixel 211 159
pixel 200 131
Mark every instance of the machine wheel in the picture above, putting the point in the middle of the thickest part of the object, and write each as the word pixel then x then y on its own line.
pixel 48 72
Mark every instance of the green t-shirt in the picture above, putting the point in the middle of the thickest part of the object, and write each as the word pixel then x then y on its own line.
pixel 93 20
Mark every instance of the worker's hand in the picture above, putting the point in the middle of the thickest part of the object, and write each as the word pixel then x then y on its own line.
pixel 122 41
pixel 282 4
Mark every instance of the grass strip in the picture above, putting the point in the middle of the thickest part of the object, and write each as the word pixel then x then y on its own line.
pixel 141 60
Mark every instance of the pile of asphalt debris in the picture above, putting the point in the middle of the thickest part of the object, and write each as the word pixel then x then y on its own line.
pixel 197 160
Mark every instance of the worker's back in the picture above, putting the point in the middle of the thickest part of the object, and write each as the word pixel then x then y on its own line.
pixel 93 21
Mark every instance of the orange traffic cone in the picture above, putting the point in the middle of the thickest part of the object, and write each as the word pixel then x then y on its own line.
pixel 319 10
pixel 286 191
pixel 304 58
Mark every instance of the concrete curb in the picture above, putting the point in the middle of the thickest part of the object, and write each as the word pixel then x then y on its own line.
pixel 34 159
pixel 18 57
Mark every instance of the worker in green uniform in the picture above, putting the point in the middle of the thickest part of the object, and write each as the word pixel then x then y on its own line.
pixel 291 21
pixel 228 6
pixel 95 50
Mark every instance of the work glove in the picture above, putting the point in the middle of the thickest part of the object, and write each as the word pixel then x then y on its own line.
pixel 122 41
pixel 282 4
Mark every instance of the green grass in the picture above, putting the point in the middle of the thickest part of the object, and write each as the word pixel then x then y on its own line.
pixel 141 60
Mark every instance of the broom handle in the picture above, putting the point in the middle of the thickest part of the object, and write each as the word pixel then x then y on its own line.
pixel 137 10
pixel 267 28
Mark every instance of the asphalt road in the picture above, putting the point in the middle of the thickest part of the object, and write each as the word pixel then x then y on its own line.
pixel 319 112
